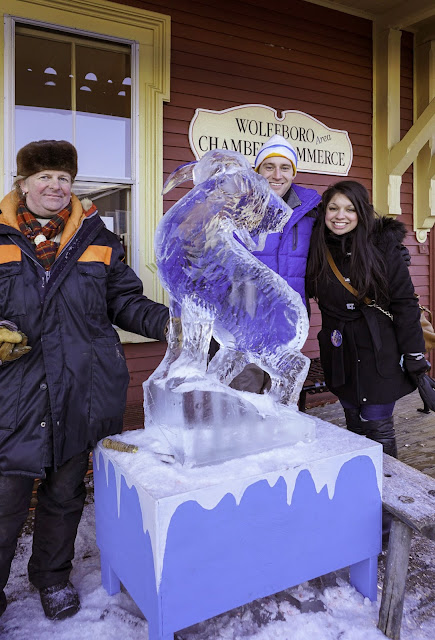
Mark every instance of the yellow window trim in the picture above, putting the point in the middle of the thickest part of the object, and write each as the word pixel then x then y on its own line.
pixel 150 32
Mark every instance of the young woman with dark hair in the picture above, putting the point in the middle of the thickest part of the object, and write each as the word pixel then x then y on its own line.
pixel 371 342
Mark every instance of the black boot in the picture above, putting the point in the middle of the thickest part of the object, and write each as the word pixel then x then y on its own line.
pixel 3 603
pixel 382 431
pixel 60 600
pixel 353 421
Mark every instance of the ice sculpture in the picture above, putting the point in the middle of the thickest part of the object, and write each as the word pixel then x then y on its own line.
pixel 217 287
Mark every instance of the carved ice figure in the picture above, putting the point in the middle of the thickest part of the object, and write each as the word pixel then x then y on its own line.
pixel 217 287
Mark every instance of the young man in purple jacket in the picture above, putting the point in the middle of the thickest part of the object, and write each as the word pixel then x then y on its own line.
pixel 285 252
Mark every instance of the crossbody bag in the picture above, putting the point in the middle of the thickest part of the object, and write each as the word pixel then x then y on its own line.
pixel 426 323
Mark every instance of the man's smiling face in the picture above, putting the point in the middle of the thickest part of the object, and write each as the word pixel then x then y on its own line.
pixel 279 173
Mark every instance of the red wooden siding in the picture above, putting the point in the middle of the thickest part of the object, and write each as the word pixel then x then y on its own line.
pixel 142 359
pixel 419 252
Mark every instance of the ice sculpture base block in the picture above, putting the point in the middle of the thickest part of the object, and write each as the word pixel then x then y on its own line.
pixel 189 544
pixel 211 425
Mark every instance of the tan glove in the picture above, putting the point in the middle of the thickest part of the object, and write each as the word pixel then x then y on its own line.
pixel 6 335
pixel 13 345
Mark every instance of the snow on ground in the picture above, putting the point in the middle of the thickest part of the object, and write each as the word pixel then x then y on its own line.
pixel 346 615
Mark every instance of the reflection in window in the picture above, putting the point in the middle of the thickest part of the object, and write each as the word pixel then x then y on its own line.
pixel 38 61
pixel 94 68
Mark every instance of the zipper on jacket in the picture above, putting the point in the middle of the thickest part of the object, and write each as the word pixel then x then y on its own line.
pixel 29 255
pixel 46 275
pixel 295 237
pixel 72 237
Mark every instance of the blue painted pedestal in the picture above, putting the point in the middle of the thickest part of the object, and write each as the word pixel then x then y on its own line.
pixel 189 544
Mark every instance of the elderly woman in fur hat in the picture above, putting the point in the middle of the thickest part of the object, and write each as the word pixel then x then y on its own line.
pixel 63 376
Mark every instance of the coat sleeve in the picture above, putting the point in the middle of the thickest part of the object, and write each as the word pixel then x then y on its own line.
pixel 403 303
pixel 127 307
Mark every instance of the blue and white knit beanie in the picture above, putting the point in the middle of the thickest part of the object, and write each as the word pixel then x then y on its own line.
pixel 277 146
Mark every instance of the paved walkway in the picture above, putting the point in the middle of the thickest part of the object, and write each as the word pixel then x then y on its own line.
pixel 415 431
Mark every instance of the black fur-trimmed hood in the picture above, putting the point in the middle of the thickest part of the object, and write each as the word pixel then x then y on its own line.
pixel 388 231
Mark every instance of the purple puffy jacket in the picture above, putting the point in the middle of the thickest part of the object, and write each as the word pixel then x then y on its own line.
pixel 287 252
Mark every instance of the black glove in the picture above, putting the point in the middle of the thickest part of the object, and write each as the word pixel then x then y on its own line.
pixel 416 366
pixel 426 389
pixel 405 255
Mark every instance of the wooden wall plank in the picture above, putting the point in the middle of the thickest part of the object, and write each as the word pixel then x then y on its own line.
pixel 314 23
pixel 187 60
pixel 142 360
pixel 352 75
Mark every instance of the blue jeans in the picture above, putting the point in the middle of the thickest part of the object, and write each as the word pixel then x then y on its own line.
pixel 371 411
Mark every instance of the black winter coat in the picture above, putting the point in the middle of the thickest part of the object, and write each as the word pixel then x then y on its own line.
pixel 75 377
pixel 365 368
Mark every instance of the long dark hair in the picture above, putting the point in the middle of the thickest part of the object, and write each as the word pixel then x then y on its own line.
pixel 367 266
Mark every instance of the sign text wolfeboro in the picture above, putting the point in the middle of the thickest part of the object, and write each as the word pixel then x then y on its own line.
pixel 246 128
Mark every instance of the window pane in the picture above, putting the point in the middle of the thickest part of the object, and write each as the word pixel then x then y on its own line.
pixel 42 90
pixel 113 203
pixel 78 89
pixel 103 81
pixel 104 145
pixel 34 123
pixel 103 124
pixel 42 72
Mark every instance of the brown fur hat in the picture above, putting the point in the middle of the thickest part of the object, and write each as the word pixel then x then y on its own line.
pixel 41 155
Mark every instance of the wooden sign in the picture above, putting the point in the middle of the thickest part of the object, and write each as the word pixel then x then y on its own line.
pixel 246 128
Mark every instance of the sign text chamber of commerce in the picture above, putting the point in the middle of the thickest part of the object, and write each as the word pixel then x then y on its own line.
pixel 245 129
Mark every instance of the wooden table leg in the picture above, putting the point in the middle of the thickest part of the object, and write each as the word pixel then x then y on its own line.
pixel 393 592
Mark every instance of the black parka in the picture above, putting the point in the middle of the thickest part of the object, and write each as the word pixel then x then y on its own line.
pixel 75 378
pixel 366 367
